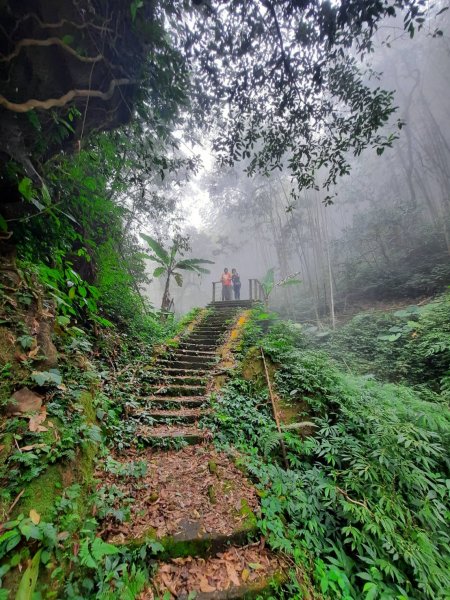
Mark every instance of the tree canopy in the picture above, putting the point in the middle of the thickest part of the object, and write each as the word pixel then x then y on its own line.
pixel 278 81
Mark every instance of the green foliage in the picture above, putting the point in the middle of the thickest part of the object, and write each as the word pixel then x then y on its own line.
pixel 171 264
pixel 365 496
pixel 268 282
pixel 410 345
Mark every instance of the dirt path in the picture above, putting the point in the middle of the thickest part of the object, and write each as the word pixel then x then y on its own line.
pixel 193 501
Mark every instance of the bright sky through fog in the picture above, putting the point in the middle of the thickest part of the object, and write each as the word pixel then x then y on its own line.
pixel 195 196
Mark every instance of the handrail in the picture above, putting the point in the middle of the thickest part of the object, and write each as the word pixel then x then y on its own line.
pixel 255 290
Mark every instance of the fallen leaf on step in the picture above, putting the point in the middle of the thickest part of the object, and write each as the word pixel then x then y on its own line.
pixel 232 574
pixel 35 517
pixel 168 584
pixel 205 587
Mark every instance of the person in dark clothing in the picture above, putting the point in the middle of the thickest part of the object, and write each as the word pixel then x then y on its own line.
pixel 236 280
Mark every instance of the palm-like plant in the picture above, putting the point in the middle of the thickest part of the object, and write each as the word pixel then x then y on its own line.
pixel 170 264
pixel 268 283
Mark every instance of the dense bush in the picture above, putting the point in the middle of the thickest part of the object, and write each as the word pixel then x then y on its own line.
pixel 410 345
pixel 366 496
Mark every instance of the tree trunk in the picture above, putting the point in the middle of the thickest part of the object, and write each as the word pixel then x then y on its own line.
pixel 166 299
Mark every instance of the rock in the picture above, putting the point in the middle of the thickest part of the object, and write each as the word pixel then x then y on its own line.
pixel 44 340
pixel 23 401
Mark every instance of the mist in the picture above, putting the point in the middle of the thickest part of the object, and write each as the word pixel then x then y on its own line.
pixel 386 234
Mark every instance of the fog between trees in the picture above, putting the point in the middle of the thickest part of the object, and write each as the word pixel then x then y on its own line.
pixel 387 234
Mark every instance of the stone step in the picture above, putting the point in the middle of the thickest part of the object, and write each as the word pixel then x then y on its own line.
pixel 176 371
pixel 189 434
pixel 192 351
pixel 195 363
pixel 193 501
pixel 182 401
pixel 186 415
pixel 187 345
pixel 163 378
pixel 192 359
pixel 175 390
pixel 232 574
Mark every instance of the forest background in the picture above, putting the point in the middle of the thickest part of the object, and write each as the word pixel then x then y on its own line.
pixel 106 111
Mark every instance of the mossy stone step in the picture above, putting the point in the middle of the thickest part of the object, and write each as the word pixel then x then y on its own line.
pixel 190 434
pixel 210 346
pixel 192 359
pixel 167 390
pixel 236 573
pixel 184 415
pixel 176 371
pixel 195 364
pixel 163 378
pixel 196 351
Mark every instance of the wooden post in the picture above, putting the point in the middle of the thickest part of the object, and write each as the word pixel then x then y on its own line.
pixel 250 289
pixel 274 410
pixel 214 291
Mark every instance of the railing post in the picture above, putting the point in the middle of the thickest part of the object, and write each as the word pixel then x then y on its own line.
pixel 214 291
pixel 250 289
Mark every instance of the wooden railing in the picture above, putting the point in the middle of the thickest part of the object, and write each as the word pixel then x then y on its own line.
pixel 255 291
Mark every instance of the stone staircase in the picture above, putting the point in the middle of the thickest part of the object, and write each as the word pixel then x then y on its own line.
pixel 194 501
pixel 178 383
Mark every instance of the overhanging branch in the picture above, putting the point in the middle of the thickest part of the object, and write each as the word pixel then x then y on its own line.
pixel 23 107
pixel 51 41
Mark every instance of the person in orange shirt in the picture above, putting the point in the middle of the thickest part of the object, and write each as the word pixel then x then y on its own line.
pixel 226 285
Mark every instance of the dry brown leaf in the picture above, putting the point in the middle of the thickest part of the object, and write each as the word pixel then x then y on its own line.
pixel 35 326
pixel 205 587
pixel 33 353
pixel 32 447
pixel 232 574
pixel 36 420
pixel 24 401
pixel 168 584
pixel 35 517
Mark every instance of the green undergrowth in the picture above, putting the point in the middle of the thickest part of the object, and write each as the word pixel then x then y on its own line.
pixel 411 345
pixel 363 504
pixel 51 505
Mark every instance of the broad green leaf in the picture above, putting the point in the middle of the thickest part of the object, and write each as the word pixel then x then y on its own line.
pixel 178 278
pixel 196 261
pixel 29 578
pixel 159 271
pixel 85 555
pixel 26 188
pixel 99 549
pixel 3 224
pixel 291 282
pixel 157 248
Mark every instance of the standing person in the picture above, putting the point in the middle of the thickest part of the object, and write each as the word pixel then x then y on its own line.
pixel 236 280
pixel 226 285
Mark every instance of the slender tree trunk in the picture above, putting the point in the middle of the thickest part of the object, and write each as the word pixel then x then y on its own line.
pixel 165 299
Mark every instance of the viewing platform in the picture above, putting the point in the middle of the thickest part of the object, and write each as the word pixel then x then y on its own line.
pixel 255 294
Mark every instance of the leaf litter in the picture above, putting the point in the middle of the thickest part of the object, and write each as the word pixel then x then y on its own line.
pixel 250 567
pixel 194 491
